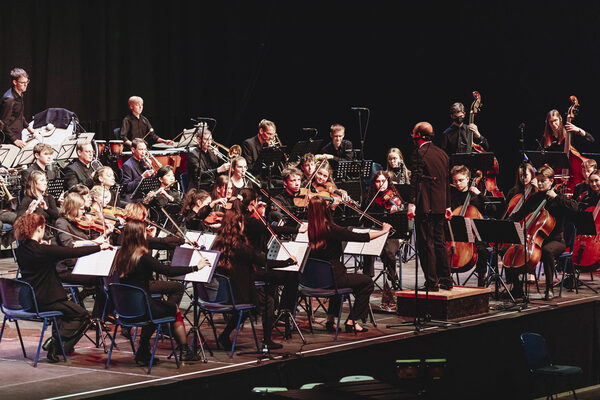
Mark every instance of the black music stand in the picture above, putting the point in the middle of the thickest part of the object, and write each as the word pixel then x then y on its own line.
pixel 353 188
pixel 555 159
pixel 269 157
pixel 474 161
pixel 145 186
pixel 398 221
pixel 584 225
pixel 303 147
pixel 354 170
pixel 498 231
pixel 56 187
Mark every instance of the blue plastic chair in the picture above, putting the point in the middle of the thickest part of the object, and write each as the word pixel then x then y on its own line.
pixel 217 297
pixel 540 365
pixel 19 303
pixel 132 309
pixel 318 280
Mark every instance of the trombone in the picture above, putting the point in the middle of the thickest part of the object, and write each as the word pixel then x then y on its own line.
pixel 233 152
pixel 4 192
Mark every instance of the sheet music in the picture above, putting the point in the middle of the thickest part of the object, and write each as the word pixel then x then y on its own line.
pixel 205 274
pixel 469 222
pixel 371 248
pixel 302 237
pixel 298 250
pixel 97 264
pixel 519 230
pixel 202 238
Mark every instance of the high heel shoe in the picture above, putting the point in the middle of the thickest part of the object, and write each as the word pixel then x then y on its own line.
pixel 350 329
pixel 330 326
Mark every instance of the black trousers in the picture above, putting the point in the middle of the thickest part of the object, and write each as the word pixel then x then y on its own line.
pixel 273 279
pixel 173 290
pixel 88 281
pixel 550 250
pixel 72 322
pixel 362 286
pixel 431 246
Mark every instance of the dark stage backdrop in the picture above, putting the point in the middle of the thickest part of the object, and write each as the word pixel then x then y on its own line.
pixel 304 64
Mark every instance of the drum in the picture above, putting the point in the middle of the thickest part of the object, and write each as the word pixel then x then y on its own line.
pixel 116 147
pixel 101 144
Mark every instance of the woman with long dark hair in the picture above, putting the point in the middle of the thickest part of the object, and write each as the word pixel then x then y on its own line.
pixel 134 265
pixel 326 239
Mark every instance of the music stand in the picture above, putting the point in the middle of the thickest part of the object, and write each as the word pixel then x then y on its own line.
pixel 187 137
pixel 145 185
pixel 353 188
pixel 8 155
pixel 555 159
pixel 584 225
pixel 474 161
pixel 354 170
pixel 303 147
pixel 66 150
pixel 269 157
pixel 499 231
pixel 56 187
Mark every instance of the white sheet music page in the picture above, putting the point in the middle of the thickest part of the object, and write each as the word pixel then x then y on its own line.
pixel 375 246
pixel 297 249
pixel 97 264
pixel 202 238
pixel 204 274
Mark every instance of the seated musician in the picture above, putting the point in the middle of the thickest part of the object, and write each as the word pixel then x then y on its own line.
pixel 76 230
pixel 239 166
pixel 135 168
pixel 384 198
pixel 166 194
pixel 251 147
pixel 308 165
pixel 237 261
pixel 588 166
pixel 101 198
pixel 197 205
pixel 338 149
pixel 323 182
pixel 37 200
pixel 325 239
pixel 291 184
pixel 558 206
pixel 220 195
pixel 555 132
pixel 591 196
pixel 203 165
pixel 37 264
pixel 134 265
pixel 82 190
pixel 42 154
pixel 396 167
pixel 454 138
pixel 458 192
pixel 105 177
pixel 135 125
pixel 80 170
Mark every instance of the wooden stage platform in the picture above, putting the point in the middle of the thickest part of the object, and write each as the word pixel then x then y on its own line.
pixel 483 354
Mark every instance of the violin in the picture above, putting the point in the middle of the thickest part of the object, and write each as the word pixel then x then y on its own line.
pixel 304 195
pixel 388 200
pixel 110 211
pixel 94 224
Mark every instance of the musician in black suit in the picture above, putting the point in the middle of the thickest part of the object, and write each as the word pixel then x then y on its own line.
pixel 136 168
pixel 42 154
pixel 80 170
pixel 430 205
pixel 251 146
pixel 338 149
pixel 454 138
pixel 202 162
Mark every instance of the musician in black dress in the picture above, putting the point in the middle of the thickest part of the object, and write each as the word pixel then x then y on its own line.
pixel 197 205
pixel 80 170
pixel 396 167
pixel 202 162
pixel 558 206
pixel 454 138
pixel 134 266
pixel 326 239
pixel 580 190
pixel 239 181
pixel 105 177
pixel 37 265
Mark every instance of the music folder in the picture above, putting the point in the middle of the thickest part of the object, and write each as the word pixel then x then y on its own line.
pixel 185 256
pixel 96 264
pixel 371 248
pixel 300 250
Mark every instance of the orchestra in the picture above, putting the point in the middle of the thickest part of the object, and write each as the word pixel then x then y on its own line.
pixel 79 207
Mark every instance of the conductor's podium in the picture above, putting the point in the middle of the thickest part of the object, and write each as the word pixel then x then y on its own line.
pixel 460 302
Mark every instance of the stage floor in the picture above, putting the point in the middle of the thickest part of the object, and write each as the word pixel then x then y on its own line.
pixel 84 375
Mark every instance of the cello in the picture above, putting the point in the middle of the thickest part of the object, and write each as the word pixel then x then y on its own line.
pixel 575 158
pixel 490 176
pixel 586 248
pixel 464 254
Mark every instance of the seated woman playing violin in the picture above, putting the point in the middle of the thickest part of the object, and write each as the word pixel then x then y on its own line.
pixel 166 196
pixel 582 188
pixel 98 208
pixel 76 229
pixel 559 207
pixel 197 207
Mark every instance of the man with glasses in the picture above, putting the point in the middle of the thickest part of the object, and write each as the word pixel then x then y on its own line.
pixel 12 108
pixel 252 146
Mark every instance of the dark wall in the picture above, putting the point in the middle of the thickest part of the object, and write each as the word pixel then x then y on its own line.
pixel 304 64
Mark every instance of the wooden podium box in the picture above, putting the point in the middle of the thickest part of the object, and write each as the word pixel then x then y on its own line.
pixel 461 301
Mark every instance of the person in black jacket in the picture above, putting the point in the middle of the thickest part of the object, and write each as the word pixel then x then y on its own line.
pixel 455 137
pixel 12 108
pixel 252 146
pixel 134 266
pixel 203 164
pixel 80 170
pixel 37 265
pixel 338 149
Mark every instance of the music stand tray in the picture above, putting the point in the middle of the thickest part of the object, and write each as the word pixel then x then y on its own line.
pixel 354 170
pixel 9 154
pixel 56 187
pixel 555 159
pixel 584 223
pixel 145 185
pixel 474 161
pixel 303 147
pixel 270 155
pixel 187 137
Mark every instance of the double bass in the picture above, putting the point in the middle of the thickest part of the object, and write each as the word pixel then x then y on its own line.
pixel 463 254
pixel 575 158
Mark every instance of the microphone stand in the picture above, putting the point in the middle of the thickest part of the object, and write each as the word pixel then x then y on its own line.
pixel 363 136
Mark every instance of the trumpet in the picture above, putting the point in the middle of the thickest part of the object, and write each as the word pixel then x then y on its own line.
pixel 4 192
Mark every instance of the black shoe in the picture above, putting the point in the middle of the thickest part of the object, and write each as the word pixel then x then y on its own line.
pixel 274 346
pixel 49 342
pixel 350 329
pixel 446 286
pixel 426 288
pixel 52 356
pixel 225 342
pixel 142 357
pixel 186 354
pixel 330 326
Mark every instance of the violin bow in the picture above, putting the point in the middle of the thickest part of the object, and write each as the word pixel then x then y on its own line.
pixel 68 233
pixel 278 204
pixel 260 217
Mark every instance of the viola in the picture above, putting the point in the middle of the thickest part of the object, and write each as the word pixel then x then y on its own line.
pixel 114 212
pixel 388 200
pixel 93 223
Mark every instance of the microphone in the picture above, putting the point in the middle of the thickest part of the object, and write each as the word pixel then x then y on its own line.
pixel 310 129
pixel 359 108
pixel 202 119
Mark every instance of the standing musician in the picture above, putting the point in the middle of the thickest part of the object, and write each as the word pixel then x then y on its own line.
pixel 325 238
pixel 202 162
pixel 134 265
pixel 338 149
pixel 136 168
pixel 77 230
pixel 37 265
pixel 455 137
pixel 384 198
pixel 558 206
pixel 588 166
pixel 135 125
pixel 12 108
pixel 80 170
pixel 239 166
pixel 555 132
pixel 430 205
pixel 236 261
pixel 36 200
pixel 252 146
pixel 42 154
pixel 458 194
pixel 396 168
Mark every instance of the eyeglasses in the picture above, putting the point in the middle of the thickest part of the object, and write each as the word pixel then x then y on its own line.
pixel 24 82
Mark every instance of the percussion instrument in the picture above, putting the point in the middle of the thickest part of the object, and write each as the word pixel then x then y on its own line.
pixel 101 145
pixel 116 147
